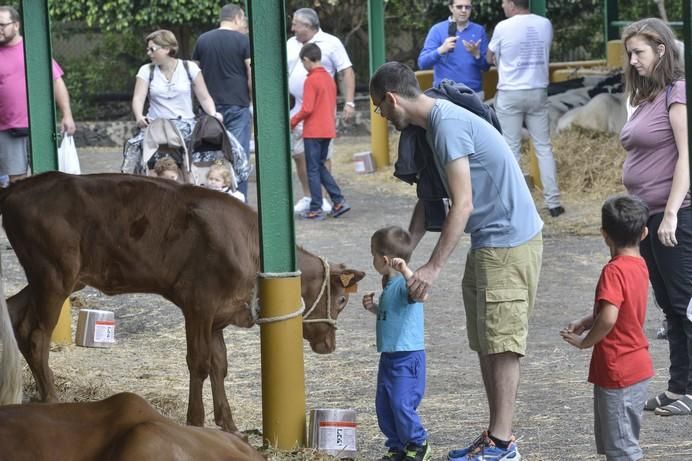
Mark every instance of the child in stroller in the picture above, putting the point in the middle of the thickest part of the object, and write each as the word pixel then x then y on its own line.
pixel 219 177
pixel 167 168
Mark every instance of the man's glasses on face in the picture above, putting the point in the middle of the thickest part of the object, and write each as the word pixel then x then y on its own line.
pixel 2 26
pixel 463 7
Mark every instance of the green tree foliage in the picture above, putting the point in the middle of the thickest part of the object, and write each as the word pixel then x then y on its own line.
pixel 118 27
pixel 124 15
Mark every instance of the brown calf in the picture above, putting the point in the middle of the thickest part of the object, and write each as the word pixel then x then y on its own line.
pixel 118 233
pixel 123 427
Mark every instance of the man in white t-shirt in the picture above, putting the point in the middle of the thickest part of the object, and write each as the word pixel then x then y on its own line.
pixel 306 29
pixel 520 47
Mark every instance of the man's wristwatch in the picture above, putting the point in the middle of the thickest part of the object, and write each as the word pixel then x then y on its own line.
pixel 350 104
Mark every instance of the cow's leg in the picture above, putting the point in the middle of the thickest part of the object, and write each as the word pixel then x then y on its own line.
pixel 34 315
pixel 198 332
pixel 219 371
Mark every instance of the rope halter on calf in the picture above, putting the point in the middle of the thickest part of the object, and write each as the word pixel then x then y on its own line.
pixel 326 287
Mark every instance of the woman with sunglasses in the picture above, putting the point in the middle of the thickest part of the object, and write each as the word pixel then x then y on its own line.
pixel 169 83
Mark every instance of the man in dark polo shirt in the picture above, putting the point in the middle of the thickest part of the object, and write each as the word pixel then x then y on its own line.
pixel 224 57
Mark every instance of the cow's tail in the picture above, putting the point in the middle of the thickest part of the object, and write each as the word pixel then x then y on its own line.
pixel 10 364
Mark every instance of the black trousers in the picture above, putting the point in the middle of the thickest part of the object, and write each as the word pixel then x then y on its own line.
pixel 670 272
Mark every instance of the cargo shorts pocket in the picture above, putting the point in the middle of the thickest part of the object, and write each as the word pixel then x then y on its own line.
pixel 506 320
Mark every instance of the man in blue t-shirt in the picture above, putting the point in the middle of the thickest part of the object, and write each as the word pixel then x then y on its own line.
pixel 492 203
pixel 456 48
pixel 224 57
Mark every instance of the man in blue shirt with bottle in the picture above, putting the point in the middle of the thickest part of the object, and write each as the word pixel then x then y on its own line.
pixel 456 48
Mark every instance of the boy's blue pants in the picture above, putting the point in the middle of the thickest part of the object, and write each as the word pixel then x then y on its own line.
pixel 400 389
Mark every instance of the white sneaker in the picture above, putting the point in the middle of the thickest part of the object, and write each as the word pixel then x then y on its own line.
pixel 326 206
pixel 302 205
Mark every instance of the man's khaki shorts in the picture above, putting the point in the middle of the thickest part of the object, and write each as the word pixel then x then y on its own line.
pixel 499 290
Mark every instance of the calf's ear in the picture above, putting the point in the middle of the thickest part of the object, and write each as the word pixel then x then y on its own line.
pixel 346 278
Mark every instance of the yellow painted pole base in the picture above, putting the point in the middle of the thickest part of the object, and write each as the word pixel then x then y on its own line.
pixel 62 333
pixel 534 171
pixel 283 376
pixel 379 139
pixel 615 53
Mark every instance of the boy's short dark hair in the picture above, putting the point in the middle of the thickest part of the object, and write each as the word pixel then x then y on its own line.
pixel 623 219
pixel 392 241
pixel 310 51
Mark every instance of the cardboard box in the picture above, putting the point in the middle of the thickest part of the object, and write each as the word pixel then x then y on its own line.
pixel 363 162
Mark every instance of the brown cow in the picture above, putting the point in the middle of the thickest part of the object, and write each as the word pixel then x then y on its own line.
pixel 196 247
pixel 122 427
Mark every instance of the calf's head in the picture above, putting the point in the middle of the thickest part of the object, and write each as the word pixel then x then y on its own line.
pixel 325 291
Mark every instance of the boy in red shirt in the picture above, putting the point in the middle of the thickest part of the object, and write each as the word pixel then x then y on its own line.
pixel 319 115
pixel 620 363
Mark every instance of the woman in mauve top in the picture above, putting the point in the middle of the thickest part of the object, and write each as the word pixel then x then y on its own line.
pixel 657 170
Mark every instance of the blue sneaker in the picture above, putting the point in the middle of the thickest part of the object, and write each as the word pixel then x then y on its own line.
pixel 460 454
pixel 491 452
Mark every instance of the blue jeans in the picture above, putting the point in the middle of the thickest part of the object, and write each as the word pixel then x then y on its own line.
pixel 316 150
pixel 400 389
pixel 237 120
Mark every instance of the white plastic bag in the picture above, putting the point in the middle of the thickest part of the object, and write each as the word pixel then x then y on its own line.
pixel 68 161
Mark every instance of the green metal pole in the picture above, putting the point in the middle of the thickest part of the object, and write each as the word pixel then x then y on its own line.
pixel 537 7
pixel 379 129
pixel 610 16
pixel 271 107
pixel 283 377
pixel 39 84
pixel 376 31
pixel 687 31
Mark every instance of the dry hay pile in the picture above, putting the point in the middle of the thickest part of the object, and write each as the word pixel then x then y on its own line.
pixel 589 163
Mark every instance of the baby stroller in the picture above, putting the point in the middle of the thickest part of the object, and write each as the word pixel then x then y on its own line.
pixel 211 142
pixel 162 138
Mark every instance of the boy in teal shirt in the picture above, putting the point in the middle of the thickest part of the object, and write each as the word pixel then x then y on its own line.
pixel 401 373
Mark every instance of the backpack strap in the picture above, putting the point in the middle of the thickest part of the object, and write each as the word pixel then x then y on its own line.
pixel 186 65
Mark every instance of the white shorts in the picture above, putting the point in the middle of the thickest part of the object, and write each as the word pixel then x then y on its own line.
pixel 297 147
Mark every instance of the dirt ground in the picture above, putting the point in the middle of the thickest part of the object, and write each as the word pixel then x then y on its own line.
pixel 554 416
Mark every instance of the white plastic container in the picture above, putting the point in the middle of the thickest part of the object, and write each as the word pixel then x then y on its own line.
pixel 333 431
pixel 95 328
pixel 363 162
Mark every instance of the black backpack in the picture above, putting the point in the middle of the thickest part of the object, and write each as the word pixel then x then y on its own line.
pixel 415 163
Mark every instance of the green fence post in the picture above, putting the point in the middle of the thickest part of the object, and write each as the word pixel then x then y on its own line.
pixel 687 31
pixel 283 386
pixel 537 7
pixel 270 90
pixel 39 84
pixel 379 128
pixel 610 16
